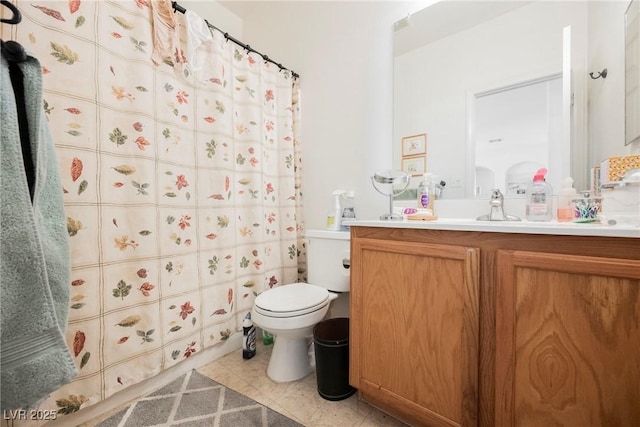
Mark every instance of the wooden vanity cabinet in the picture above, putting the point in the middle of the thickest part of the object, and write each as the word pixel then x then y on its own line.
pixel 568 340
pixel 464 328
pixel 414 329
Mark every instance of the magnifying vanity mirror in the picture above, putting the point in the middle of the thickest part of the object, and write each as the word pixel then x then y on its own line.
pixel 502 88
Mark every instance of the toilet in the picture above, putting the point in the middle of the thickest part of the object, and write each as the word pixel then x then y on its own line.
pixel 290 311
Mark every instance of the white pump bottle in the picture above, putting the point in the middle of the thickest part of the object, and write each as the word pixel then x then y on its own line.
pixel 334 216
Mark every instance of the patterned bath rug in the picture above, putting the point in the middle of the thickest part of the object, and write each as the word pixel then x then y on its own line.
pixel 195 400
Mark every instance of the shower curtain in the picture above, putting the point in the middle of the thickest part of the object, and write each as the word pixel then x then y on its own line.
pixel 181 186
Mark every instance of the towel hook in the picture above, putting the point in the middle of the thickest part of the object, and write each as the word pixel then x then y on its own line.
pixel 11 50
pixel 602 74
pixel 17 16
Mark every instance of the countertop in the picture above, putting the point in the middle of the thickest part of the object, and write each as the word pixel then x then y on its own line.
pixel 526 227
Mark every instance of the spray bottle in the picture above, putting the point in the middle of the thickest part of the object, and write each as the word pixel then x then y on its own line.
pixel 334 216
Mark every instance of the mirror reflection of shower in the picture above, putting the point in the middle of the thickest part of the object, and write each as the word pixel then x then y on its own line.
pixel 517 130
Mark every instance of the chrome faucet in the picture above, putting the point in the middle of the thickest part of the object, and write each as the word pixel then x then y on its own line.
pixel 497 209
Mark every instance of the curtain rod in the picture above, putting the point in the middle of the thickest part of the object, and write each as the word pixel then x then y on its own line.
pixel 181 9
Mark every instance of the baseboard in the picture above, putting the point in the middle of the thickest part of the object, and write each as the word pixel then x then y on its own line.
pixel 147 386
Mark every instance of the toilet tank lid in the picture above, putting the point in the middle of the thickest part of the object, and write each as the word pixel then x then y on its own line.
pixel 292 297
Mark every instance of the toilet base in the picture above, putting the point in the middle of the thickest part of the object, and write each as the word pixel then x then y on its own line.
pixel 289 359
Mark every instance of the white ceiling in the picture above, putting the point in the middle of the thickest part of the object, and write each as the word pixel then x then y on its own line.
pixel 445 18
pixel 439 20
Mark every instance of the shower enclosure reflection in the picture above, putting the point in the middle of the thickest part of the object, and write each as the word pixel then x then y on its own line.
pixel 515 131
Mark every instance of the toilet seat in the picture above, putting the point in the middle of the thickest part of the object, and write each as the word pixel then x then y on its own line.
pixel 291 300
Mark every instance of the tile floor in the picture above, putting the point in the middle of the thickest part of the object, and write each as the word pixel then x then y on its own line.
pixel 298 400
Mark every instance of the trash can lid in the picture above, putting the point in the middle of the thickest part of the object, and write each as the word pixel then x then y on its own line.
pixel 332 331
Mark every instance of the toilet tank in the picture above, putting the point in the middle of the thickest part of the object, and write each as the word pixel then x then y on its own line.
pixel 328 259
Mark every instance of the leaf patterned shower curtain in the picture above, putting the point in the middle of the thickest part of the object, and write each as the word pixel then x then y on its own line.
pixel 182 188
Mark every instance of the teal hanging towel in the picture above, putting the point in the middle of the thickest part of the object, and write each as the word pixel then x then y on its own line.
pixel 34 247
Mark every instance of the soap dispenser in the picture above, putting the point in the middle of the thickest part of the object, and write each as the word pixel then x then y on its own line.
pixel 426 192
pixel 539 198
pixel 565 201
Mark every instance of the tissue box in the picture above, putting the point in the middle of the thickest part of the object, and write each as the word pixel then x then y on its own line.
pixel 614 168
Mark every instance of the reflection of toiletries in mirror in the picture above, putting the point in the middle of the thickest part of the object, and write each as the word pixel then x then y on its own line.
pixel 439 188
pixel 565 197
pixel 539 196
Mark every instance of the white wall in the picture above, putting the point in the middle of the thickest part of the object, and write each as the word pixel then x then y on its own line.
pixel 606 96
pixel 216 14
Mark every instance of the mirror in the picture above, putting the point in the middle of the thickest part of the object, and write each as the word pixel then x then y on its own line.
pixel 449 53
pixel 511 135
pixel 632 72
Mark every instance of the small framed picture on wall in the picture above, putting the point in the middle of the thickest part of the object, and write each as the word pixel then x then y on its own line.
pixel 415 165
pixel 414 145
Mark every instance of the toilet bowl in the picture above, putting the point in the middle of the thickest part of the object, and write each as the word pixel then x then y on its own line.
pixel 290 312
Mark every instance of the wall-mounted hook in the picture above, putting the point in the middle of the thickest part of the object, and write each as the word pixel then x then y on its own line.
pixel 602 74
pixel 17 16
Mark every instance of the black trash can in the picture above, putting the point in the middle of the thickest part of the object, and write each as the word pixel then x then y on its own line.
pixel 331 346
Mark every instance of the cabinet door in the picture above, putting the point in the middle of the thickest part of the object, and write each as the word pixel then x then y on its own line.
pixel 567 340
pixel 414 330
